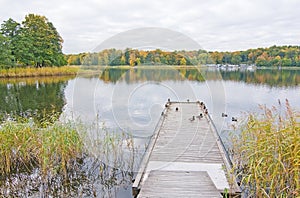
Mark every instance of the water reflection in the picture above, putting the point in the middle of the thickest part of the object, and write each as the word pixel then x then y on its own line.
pixel 143 87
pixel 270 77
pixel 36 97
pixel 130 101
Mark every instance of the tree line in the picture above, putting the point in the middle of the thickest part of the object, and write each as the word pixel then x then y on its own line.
pixel 33 42
pixel 272 56
pixel 36 42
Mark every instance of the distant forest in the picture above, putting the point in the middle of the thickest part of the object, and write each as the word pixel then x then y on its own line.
pixel 35 42
pixel 274 56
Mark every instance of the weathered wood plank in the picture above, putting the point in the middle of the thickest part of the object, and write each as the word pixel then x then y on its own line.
pixel 171 184
pixel 184 157
pixel 181 139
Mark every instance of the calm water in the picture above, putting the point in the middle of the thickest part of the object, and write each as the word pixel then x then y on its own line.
pixel 131 100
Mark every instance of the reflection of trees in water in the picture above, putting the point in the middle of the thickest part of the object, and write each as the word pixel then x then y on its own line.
pixel 37 99
pixel 150 74
pixel 271 77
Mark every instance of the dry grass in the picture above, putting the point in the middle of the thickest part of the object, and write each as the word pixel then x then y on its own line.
pixel 267 153
pixel 35 72
pixel 35 80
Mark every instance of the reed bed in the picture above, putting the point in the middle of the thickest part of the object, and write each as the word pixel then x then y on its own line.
pixel 62 159
pixel 18 72
pixel 266 154
pixel 25 145
pixel 35 80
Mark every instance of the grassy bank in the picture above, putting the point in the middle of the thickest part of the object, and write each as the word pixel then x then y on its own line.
pixel 35 80
pixel 36 72
pixel 267 153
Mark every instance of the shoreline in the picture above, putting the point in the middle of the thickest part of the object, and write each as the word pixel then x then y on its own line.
pixel 38 72
pixel 73 70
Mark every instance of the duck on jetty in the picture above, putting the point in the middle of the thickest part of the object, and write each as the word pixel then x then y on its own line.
pixel 199 116
pixel 233 119
pixel 192 119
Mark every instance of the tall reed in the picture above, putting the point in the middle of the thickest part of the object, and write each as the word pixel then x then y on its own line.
pixel 50 146
pixel 54 158
pixel 266 154
pixel 17 146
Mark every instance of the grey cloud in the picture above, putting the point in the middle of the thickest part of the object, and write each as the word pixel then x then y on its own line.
pixel 150 38
pixel 215 25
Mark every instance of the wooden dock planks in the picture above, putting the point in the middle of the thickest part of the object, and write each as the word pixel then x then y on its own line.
pixel 195 184
pixel 184 156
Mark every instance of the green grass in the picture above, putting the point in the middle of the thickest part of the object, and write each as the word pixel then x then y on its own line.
pixel 25 145
pixel 64 158
pixel 267 153
pixel 35 72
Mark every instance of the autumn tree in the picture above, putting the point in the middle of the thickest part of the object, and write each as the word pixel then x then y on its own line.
pixel 182 61
pixel 217 57
pixel 273 56
pixel 263 59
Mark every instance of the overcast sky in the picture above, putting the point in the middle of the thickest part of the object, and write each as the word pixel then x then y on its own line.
pixel 225 25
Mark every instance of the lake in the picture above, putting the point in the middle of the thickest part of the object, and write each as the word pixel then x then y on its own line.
pixel 130 100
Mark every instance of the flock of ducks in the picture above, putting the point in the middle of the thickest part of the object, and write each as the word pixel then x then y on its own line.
pixel 193 118
pixel 197 117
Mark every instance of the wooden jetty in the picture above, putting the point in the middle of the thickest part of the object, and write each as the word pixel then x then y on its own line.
pixel 185 157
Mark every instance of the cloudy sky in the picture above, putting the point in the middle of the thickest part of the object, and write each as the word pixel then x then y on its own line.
pixel 225 25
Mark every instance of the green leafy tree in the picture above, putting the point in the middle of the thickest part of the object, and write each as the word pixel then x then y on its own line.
pixel 42 41
pixel 202 58
pixel 34 42
pixel 5 53
pixel 227 58
pixel 286 62
pixel 236 58
pixel 10 29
